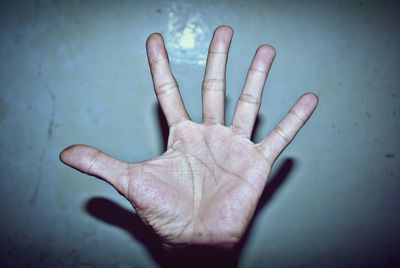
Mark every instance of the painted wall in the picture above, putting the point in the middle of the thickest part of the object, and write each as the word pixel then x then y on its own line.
pixel 76 72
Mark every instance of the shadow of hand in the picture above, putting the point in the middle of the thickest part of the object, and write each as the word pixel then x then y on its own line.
pixel 111 213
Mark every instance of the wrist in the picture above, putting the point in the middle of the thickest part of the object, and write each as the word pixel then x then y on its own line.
pixel 201 255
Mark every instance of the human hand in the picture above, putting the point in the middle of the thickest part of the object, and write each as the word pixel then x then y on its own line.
pixel 204 189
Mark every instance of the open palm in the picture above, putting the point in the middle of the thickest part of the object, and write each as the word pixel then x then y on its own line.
pixel 204 189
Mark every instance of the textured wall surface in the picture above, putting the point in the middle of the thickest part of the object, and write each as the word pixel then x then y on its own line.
pixel 76 72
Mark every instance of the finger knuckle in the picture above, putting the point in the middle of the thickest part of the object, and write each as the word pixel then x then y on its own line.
pixel 239 130
pixel 92 162
pixel 282 133
pixel 166 88
pixel 297 117
pixel 249 98
pixel 214 85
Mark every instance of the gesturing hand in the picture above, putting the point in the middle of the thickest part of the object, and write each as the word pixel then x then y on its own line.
pixel 204 189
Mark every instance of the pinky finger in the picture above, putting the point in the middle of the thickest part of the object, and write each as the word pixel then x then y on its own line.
pixel 283 134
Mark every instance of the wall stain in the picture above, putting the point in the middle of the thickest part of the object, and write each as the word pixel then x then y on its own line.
pixel 2 110
pixel 50 127
pixel 34 195
pixel 17 39
pixel 53 112
pixel 39 72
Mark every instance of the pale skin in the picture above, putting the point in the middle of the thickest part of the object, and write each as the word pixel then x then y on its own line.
pixel 204 189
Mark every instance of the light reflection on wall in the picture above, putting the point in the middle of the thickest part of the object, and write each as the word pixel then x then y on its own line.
pixel 187 36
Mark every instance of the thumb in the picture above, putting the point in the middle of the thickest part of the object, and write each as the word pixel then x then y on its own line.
pixel 93 162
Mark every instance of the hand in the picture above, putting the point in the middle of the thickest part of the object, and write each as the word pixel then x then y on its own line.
pixel 204 189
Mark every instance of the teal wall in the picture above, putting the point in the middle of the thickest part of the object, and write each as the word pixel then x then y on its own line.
pixel 76 72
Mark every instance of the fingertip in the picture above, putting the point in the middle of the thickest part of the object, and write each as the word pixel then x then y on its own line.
pixel 306 105
pixel 221 39
pixel 267 48
pixel 226 29
pixel 266 52
pixel 65 154
pixel 263 58
pixel 155 47
pixel 75 155
pixel 154 37
pixel 311 99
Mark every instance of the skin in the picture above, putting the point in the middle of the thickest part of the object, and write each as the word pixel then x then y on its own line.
pixel 204 189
